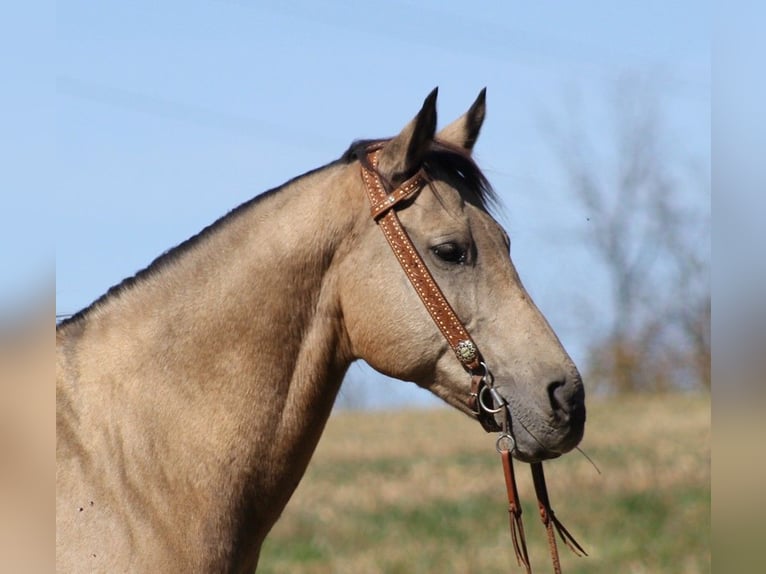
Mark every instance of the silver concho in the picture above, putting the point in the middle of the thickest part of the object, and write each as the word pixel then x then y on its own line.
pixel 466 351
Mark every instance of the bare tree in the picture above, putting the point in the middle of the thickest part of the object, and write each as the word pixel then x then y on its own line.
pixel 647 217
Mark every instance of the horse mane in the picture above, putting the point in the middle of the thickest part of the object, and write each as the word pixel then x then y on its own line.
pixel 171 255
pixel 443 161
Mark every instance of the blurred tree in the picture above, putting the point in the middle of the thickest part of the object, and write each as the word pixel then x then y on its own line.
pixel 648 223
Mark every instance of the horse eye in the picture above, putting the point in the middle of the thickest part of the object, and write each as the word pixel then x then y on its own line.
pixel 450 252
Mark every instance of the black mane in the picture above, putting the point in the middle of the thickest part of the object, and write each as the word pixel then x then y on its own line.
pixel 174 253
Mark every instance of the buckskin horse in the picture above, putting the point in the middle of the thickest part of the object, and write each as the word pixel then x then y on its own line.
pixel 191 396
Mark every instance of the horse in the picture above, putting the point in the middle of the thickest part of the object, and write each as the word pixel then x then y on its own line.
pixel 191 396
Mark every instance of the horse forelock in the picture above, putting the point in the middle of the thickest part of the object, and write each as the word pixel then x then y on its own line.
pixel 444 161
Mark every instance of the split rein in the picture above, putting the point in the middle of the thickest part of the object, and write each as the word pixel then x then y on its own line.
pixel 483 400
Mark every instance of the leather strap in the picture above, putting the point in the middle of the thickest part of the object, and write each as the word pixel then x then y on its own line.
pixel 382 205
pixel 514 512
pixel 436 303
pixel 550 521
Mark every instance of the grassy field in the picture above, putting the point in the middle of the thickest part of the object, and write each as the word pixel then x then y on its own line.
pixel 424 492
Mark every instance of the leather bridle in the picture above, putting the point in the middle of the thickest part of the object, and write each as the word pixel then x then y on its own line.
pixel 483 399
pixel 382 205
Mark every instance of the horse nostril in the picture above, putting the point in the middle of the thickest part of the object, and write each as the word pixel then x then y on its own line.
pixel 565 396
pixel 556 398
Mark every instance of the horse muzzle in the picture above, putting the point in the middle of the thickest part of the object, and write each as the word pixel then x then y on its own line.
pixel 547 430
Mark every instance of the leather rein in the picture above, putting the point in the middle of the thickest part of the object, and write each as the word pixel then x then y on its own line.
pixel 483 400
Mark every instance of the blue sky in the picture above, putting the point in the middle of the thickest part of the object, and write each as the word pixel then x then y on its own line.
pixel 169 114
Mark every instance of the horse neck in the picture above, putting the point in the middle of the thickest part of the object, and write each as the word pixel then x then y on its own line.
pixel 228 360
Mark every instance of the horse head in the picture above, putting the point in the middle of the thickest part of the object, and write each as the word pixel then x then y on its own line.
pixel 468 255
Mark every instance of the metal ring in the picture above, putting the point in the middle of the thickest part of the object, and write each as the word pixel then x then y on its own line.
pixel 486 370
pixel 488 377
pixel 496 399
pixel 508 438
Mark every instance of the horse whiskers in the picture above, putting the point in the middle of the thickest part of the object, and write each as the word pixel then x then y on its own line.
pixel 589 459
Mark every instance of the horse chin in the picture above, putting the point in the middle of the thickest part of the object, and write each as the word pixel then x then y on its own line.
pixel 536 443
pixel 526 457
pixel 533 452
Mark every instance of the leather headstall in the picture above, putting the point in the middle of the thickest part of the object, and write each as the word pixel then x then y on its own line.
pixel 382 204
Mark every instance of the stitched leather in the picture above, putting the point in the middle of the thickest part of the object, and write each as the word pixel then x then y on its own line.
pixel 442 313
pixel 405 191
pixel 430 294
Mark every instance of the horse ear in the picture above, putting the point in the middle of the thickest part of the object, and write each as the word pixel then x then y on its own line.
pixel 404 154
pixel 464 131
